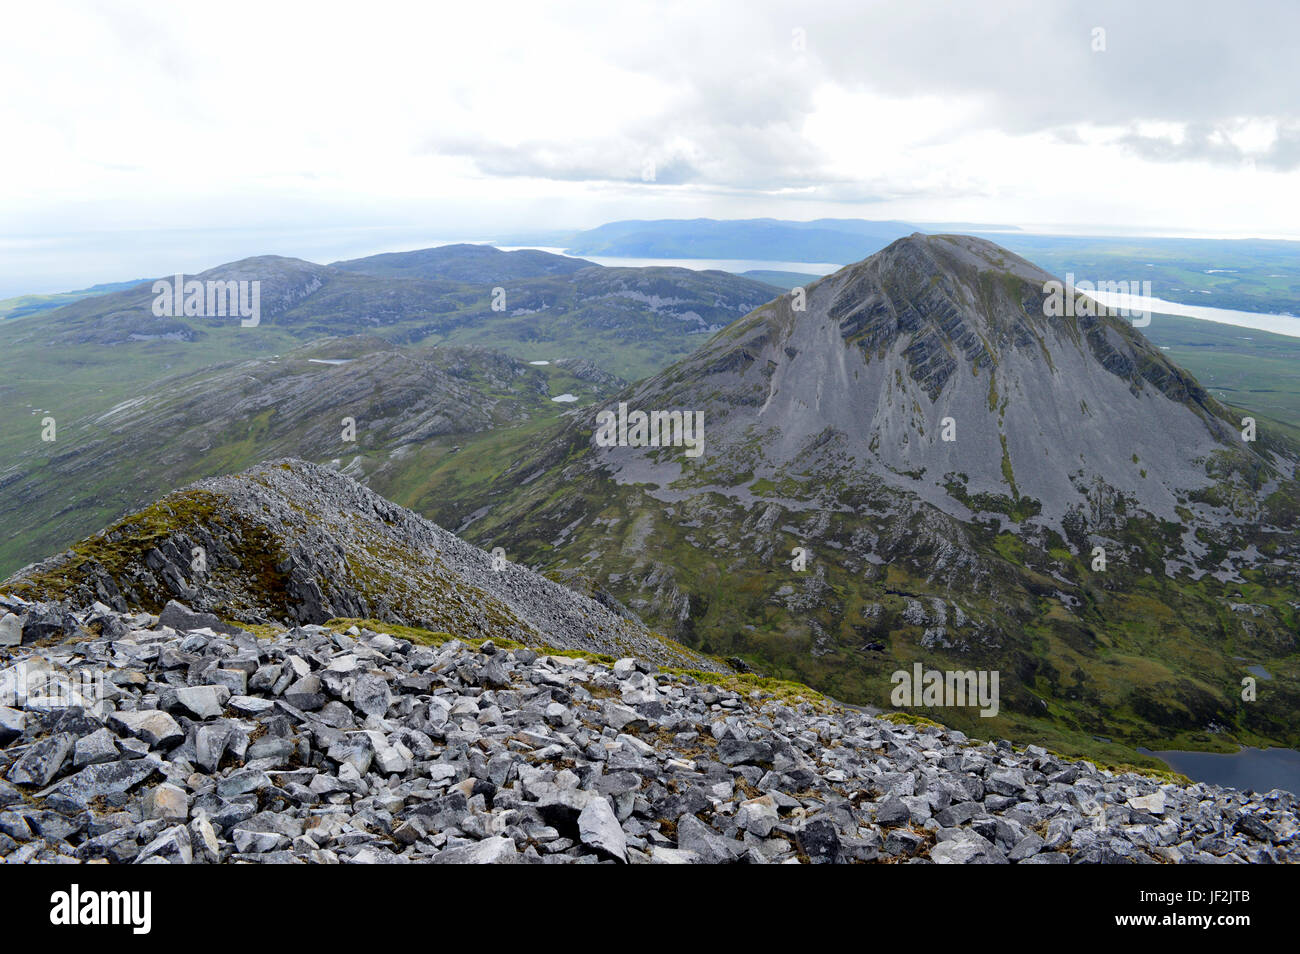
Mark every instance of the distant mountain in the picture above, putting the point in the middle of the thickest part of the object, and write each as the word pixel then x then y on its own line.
pixel 969 227
pixel 34 304
pixel 472 264
pixel 948 458
pixel 821 240
pixel 938 327
pixel 532 304
pixel 201 396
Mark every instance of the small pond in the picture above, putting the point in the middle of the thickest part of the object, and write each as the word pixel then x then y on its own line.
pixel 1257 769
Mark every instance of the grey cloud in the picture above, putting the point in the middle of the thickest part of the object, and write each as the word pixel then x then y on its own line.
pixel 1211 143
pixel 1022 66
pixel 1031 65
pixel 714 136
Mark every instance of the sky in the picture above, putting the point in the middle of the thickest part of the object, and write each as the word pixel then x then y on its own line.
pixel 141 137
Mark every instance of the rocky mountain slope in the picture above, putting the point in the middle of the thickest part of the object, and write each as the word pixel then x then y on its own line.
pixel 197 743
pixel 1072 437
pixel 860 383
pixel 293 541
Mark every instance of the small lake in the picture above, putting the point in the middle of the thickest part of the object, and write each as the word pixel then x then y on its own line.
pixel 1257 769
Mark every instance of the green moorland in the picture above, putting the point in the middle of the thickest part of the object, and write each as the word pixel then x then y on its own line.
pixel 78 363
pixel 201 421
pixel 1246 274
pixel 1256 371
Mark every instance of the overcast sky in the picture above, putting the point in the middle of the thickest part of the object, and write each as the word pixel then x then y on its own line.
pixel 478 119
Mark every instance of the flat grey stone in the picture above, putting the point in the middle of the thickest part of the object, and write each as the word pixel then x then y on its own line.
pixel 599 828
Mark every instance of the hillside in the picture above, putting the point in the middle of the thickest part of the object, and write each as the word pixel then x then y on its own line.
pixel 532 305
pixel 118 380
pixel 24 305
pixel 825 430
pixel 470 264
pixel 295 542
pixel 223 419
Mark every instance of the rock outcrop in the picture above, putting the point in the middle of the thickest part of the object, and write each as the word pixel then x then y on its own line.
pixel 296 542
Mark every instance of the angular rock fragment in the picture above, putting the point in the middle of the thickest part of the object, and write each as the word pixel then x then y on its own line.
pixel 153 726
pixel 43 761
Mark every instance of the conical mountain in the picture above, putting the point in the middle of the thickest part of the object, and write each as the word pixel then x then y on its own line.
pixel 1098 529
pixel 938 367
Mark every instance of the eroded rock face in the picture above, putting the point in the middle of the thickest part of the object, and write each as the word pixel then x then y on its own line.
pixel 478 754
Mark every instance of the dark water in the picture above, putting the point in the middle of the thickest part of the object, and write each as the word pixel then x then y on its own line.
pixel 1258 769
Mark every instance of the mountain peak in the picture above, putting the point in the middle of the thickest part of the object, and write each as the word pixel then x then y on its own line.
pixel 466 263
pixel 954 252
pixel 936 365
pixel 958 475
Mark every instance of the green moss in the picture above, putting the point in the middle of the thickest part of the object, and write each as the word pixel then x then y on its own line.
pixel 1007 474
pixel 908 718
pixel 260 630
pixel 124 544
